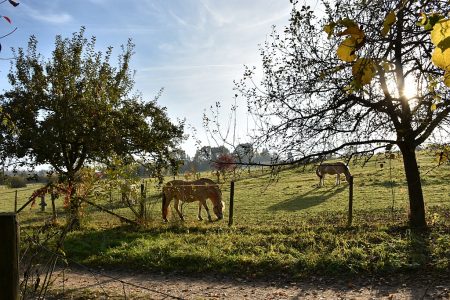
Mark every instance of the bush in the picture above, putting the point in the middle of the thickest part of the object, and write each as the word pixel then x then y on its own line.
pixel 16 182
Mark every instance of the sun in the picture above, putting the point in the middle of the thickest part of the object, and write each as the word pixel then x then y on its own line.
pixel 410 89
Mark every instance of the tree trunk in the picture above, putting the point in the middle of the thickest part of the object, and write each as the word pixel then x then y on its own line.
pixel 74 208
pixel 74 215
pixel 416 203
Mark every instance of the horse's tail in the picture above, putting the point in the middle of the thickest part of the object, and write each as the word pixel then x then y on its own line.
pixel 221 198
pixel 165 206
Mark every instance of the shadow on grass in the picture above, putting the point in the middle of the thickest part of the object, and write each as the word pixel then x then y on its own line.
pixel 385 184
pixel 418 250
pixel 113 248
pixel 309 199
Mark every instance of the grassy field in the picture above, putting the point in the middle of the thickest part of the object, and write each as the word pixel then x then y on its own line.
pixel 284 226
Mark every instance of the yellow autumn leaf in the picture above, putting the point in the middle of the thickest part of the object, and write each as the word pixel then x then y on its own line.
pixel 447 78
pixel 387 66
pixel 364 69
pixel 433 107
pixel 353 31
pixel 346 50
pixel 329 28
pixel 441 58
pixel 440 32
pixel 347 22
pixel 388 22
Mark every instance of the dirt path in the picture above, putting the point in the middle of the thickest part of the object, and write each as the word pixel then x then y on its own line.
pixel 126 285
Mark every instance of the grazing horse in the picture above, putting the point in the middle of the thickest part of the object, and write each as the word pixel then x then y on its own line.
pixel 333 169
pixel 190 191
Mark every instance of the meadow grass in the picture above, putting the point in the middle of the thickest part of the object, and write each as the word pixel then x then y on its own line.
pixel 284 226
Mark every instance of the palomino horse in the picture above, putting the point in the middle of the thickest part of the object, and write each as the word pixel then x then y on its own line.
pixel 336 168
pixel 190 191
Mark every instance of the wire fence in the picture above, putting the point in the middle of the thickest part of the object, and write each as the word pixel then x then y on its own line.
pixel 47 273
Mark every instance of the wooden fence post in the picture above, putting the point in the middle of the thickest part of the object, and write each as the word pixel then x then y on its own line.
pixel 230 215
pixel 9 257
pixel 53 197
pixel 142 202
pixel 350 201
pixel 15 201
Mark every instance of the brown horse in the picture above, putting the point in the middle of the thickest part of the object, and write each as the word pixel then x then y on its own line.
pixel 336 168
pixel 190 191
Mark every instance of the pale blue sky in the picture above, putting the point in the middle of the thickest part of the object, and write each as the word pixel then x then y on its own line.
pixel 192 48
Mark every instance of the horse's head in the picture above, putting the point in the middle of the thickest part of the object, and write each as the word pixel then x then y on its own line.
pixel 218 209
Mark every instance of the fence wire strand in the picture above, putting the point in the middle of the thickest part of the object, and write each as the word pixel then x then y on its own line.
pixel 34 276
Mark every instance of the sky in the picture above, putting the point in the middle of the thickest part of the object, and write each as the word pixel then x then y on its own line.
pixel 194 49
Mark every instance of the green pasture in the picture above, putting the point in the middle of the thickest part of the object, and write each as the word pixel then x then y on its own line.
pixel 8 195
pixel 283 225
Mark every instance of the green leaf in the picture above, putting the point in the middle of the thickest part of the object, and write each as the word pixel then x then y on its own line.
pixel 428 21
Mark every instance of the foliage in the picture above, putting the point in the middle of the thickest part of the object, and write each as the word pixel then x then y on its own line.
pixel 77 108
pixel 345 81
pixel 244 153
pixel 16 182
pixel 225 162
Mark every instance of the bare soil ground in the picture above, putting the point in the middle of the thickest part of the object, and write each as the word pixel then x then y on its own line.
pixel 77 284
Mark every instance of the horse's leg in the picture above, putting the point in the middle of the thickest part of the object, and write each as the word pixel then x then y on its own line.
pixel 207 210
pixel 176 204
pixel 338 179
pixel 182 205
pixel 199 216
pixel 165 207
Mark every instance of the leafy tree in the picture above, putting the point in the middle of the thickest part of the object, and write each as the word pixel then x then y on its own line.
pixel 244 153
pixel 77 108
pixel 263 157
pixel 345 80
pixel 206 155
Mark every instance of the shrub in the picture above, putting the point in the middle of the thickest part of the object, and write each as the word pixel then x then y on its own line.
pixel 16 182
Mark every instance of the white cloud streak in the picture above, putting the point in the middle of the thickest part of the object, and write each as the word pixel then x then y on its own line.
pixel 47 16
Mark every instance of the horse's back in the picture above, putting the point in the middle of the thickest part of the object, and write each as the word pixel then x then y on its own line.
pixel 192 190
pixel 332 168
pixel 205 181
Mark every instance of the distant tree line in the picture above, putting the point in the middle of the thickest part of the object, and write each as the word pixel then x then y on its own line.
pixel 18 179
pixel 207 157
